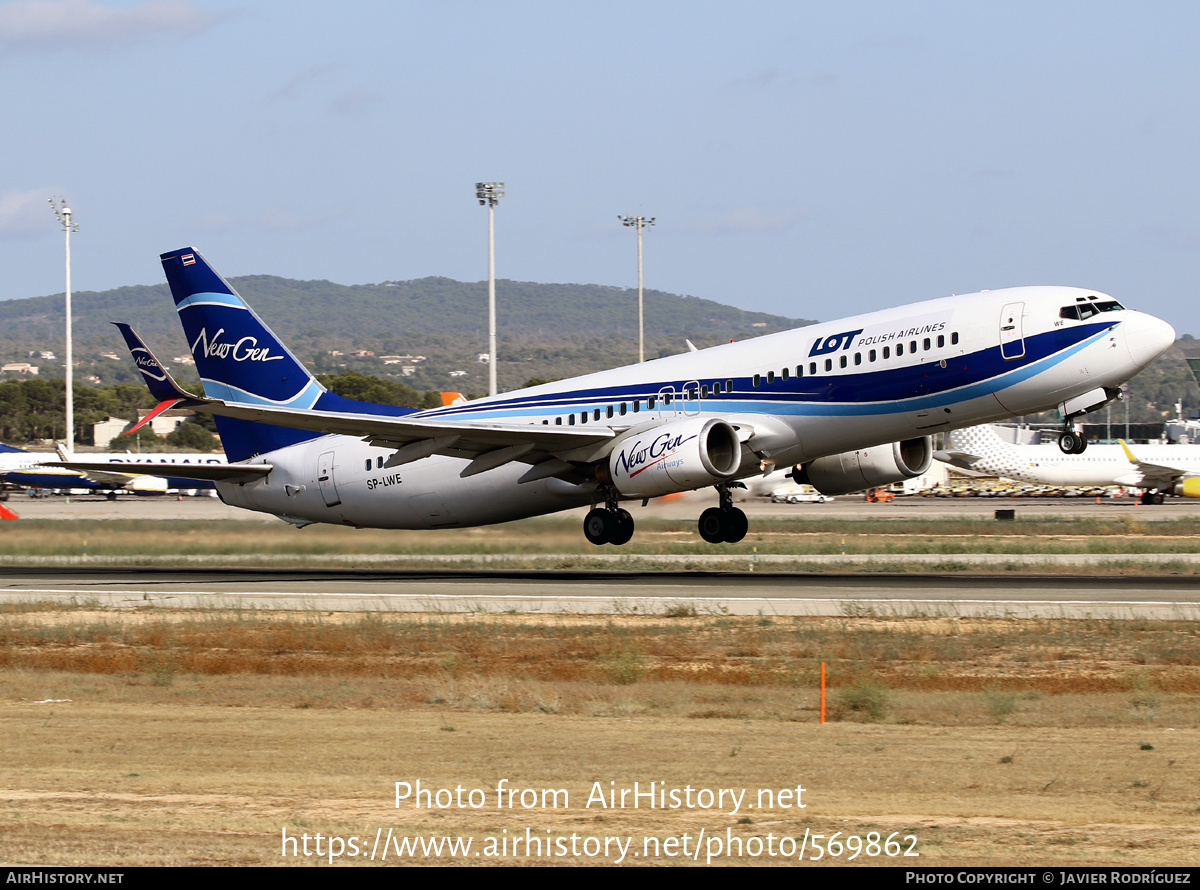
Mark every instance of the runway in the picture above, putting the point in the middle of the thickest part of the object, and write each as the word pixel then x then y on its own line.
pixel 682 508
pixel 657 593
pixel 334 587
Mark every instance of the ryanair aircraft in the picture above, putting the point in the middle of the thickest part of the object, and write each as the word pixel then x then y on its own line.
pixel 101 472
pixel 850 403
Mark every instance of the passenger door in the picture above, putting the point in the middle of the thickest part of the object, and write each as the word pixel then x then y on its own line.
pixel 326 481
pixel 1012 340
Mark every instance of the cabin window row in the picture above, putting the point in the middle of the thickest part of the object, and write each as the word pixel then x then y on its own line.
pixel 717 387
pixel 621 409
pixel 872 355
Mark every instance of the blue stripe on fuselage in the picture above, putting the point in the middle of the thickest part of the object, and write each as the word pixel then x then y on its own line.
pixel 878 391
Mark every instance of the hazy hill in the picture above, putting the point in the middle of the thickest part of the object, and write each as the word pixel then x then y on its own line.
pixel 547 330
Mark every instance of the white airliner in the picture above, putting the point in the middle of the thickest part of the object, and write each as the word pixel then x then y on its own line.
pixel 852 401
pixel 151 473
pixel 1158 470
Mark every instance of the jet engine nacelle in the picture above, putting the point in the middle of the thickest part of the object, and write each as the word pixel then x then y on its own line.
pixel 678 456
pixel 871 467
pixel 1187 488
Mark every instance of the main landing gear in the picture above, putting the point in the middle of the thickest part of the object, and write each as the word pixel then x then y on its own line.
pixel 1152 497
pixel 608 524
pixel 725 524
pixel 1072 440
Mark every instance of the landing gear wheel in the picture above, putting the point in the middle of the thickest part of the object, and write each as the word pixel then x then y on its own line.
pixel 711 527
pixel 622 528
pixel 1081 445
pixel 1067 443
pixel 726 526
pixel 598 526
pixel 734 525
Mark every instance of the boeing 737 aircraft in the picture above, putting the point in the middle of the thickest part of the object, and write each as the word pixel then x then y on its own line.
pixel 1158 470
pixel 852 402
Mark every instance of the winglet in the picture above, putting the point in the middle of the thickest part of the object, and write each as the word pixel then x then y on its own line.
pixel 1128 453
pixel 162 386
pixel 158 409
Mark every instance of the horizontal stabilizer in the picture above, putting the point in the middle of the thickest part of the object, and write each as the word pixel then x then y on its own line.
pixel 204 472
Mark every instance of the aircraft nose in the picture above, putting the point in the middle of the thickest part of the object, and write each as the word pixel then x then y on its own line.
pixel 1147 338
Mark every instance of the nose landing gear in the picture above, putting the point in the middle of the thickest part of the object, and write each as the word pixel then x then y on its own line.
pixel 1072 440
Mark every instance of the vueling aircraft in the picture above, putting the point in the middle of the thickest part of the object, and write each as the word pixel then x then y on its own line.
pixel 851 404
pixel 1158 470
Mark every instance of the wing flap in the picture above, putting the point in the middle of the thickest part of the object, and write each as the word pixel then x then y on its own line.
pixel 470 437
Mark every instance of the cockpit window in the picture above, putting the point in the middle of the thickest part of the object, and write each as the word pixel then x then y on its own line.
pixel 1081 311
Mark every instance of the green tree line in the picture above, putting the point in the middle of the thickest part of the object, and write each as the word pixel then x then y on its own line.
pixel 34 409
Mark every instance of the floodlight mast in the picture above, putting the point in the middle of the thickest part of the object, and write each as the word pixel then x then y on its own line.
pixel 63 214
pixel 490 193
pixel 640 222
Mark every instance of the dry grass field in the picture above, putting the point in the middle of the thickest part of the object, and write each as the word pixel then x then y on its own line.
pixel 140 737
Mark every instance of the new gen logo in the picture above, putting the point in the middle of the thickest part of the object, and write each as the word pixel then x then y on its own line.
pixel 638 457
pixel 245 349
pixel 147 365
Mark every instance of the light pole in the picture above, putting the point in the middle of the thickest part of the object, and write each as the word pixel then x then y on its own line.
pixel 63 213
pixel 490 193
pixel 639 222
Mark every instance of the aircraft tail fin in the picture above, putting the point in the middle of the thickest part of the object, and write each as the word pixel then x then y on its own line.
pixel 238 357
pixel 241 360
pixel 9 449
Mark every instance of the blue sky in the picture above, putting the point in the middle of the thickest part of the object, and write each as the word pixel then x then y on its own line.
pixel 813 160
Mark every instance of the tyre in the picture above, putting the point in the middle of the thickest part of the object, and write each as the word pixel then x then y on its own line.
pixel 1080 446
pixel 734 525
pixel 597 526
pixel 623 529
pixel 711 526
pixel 1067 443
